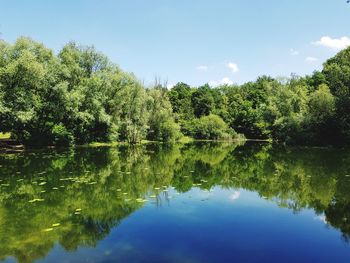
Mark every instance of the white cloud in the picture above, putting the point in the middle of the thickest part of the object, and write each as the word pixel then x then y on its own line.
pixel 170 86
pixel 223 81
pixel 294 52
pixel 226 81
pixel 321 218
pixel 311 59
pixel 233 67
pixel 333 43
pixel 202 68
pixel 213 83
pixel 235 195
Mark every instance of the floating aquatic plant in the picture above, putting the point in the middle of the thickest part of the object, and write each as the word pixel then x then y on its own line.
pixel 36 200
pixel 141 200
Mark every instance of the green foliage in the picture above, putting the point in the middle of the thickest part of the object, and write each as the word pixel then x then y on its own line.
pixel 180 98
pixel 337 74
pixel 321 105
pixel 320 121
pixel 162 126
pixel 210 127
pixel 311 110
pixel 5 135
pixel 133 113
pixel 61 136
pixel 202 101
pixel 78 96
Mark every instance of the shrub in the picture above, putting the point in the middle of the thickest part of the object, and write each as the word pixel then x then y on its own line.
pixel 61 136
pixel 210 127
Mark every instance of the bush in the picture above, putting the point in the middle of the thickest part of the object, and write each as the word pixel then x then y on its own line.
pixel 170 131
pixel 210 127
pixel 61 136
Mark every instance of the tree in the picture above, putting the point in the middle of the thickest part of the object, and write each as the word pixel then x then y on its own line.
pixel 79 96
pixel 162 126
pixel 321 105
pixel 245 111
pixel 28 73
pixel 202 101
pixel 180 99
pixel 132 110
pixel 286 110
pixel 337 74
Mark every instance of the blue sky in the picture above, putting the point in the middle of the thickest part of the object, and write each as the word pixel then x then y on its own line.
pixel 194 41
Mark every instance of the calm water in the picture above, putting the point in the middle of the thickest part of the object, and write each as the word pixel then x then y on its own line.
pixel 182 203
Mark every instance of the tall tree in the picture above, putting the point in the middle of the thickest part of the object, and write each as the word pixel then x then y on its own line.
pixel 202 101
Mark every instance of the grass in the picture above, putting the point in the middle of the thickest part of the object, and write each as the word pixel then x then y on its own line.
pixel 6 135
pixel 102 144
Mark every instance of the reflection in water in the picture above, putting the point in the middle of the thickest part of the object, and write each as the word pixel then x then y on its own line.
pixel 76 197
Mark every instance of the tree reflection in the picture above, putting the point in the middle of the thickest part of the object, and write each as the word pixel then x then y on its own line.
pixel 107 184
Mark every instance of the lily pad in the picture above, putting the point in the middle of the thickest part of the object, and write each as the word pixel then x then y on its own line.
pixel 141 200
pixel 36 200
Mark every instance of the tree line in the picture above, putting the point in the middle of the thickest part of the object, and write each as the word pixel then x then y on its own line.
pixel 311 110
pixel 79 96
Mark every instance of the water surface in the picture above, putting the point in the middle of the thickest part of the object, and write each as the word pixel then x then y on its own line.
pixel 201 202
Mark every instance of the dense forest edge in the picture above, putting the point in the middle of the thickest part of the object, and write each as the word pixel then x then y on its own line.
pixel 79 96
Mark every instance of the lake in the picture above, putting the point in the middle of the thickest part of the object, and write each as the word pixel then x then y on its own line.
pixel 198 202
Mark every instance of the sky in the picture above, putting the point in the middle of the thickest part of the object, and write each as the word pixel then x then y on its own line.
pixel 191 41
